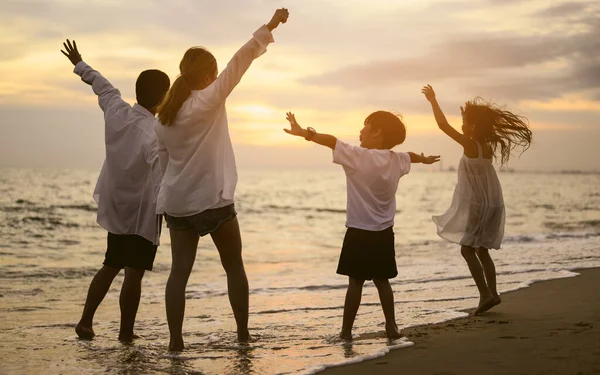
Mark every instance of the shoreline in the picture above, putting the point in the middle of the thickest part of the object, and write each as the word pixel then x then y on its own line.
pixel 549 327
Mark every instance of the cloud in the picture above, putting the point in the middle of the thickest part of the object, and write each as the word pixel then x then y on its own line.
pixel 374 55
pixel 563 10
pixel 502 64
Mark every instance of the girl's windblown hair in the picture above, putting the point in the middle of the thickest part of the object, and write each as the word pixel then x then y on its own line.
pixel 497 127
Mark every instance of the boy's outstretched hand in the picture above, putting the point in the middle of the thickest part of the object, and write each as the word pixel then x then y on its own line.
pixel 416 158
pixel 280 16
pixel 429 93
pixel 429 159
pixel 295 128
pixel 72 53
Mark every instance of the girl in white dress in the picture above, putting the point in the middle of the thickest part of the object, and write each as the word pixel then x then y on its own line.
pixel 475 219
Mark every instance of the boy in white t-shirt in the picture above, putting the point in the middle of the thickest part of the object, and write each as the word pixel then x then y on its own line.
pixel 372 175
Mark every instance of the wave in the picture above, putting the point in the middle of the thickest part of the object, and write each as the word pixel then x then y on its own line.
pixel 546 206
pixel 277 311
pixel 82 207
pixel 25 309
pixel 52 273
pixel 23 205
pixel 292 209
pixel 49 222
pixel 570 226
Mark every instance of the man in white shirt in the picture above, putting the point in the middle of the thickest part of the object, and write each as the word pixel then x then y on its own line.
pixel 373 171
pixel 126 190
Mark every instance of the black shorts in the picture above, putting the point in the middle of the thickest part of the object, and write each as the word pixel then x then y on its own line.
pixel 368 255
pixel 205 222
pixel 129 250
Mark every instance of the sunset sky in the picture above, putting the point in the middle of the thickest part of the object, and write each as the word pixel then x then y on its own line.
pixel 333 63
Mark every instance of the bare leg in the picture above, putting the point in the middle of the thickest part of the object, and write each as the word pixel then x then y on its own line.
pixel 129 301
pixel 96 293
pixel 489 270
pixel 228 241
pixel 353 297
pixel 485 298
pixel 184 243
pixel 386 296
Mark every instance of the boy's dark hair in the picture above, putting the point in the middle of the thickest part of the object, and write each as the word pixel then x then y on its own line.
pixel 151 87
pixel 391 125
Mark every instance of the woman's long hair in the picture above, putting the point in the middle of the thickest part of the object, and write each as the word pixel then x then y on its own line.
pixel 497 127
pixel 196 64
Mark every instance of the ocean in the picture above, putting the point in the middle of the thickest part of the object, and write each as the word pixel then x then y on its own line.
pixel 292 225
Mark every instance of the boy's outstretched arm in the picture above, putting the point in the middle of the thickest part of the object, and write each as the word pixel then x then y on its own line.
pixel 416 158
pixel 109 98
pixel 308 134
pixel 441 119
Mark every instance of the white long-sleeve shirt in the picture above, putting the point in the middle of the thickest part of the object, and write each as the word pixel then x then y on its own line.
pixel 128 184
pixel 195 152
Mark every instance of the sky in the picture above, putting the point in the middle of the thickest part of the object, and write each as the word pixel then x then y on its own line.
pixel 333 63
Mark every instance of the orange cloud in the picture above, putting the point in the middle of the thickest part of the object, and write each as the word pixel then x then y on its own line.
pixel 564 105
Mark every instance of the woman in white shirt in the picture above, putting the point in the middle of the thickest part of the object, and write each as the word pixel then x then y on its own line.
pixel 200 176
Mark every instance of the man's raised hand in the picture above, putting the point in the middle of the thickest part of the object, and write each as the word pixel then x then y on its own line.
pixel 72 53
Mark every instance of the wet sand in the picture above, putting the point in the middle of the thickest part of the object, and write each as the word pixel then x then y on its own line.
pixel 552 327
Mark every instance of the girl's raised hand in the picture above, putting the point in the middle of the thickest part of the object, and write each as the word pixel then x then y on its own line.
pixel 295 128
pixel 428 92
pixel 280 16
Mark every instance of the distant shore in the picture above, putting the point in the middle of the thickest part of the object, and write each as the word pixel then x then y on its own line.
pixel 552 327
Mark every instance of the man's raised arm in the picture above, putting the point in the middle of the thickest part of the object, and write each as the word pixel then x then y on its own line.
pixel 109 98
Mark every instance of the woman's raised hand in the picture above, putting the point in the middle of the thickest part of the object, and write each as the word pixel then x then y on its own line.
pixel 280 16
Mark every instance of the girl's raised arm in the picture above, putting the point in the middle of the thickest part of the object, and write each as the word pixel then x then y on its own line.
pixel 441 119
pixel 241 61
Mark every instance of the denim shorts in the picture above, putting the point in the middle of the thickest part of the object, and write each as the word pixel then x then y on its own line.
pixel 205 222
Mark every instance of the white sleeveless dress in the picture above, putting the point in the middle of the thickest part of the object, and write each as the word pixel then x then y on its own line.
pixel 476 216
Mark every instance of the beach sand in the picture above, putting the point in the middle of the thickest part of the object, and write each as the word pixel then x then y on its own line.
pixel 552 327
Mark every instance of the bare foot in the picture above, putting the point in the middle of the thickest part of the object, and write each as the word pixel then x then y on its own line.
pixel 128 338
pixel 84 332
pixel 244 336
pixel 176 345
pixel 347 336
pixel 392 332
pixel 497 301
pixel 485 305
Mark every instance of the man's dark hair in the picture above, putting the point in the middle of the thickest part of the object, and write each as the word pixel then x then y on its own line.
pixel 151 87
